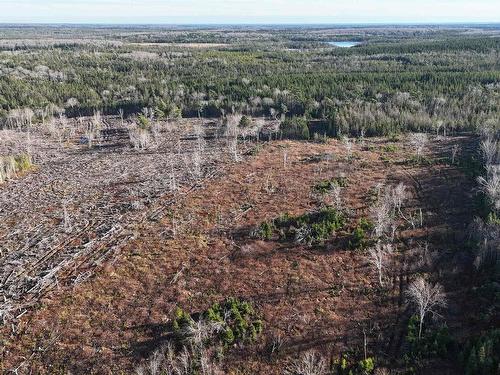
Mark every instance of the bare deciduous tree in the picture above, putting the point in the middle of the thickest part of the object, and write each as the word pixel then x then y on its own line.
pixel 454 153
pixel 487 235
pixel 426 298
pixel 231 125
pixel 189 360
pixel 311 363
pixel 121 114
pixel 490 185
pixel 383 218
pixel 231 133
pixel 336 197
pixel 72 102
pixel 348 147
pixel 93 130
pixel 387 210
pixel 200 332
pixel 418 142
pixel 172 176
pixel 197 164
pixel 398 195
pixel 139 138
pixel 154 365
pixel 232 144
pixel 379 257
pixel 20 117
pixel 490 150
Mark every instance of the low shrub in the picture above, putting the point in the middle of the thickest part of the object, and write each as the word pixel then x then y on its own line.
pixel 266 230
pixel 181 321
pixel 23 162
pixel 359 238
pixel 434 343
pixel 167 110
pixel 308 228
pixel 10 166
pixel 198 341
pixel 238 319
pixel 493 218
pixel 481 356
pixel 390 148
pixel 143 122
pixel 347 365
pixel 232 322
pixel 245 122
pixel 422 161
pixel 488 296
pixel 325 186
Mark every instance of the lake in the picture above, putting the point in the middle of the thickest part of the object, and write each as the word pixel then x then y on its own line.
pixel 346 44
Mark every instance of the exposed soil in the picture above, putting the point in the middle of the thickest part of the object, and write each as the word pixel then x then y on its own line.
pixel 199 252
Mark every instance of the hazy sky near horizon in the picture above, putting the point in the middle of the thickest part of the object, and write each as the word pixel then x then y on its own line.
pixel 248 11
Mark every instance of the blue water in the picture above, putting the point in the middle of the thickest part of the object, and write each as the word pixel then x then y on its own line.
pixel 346 44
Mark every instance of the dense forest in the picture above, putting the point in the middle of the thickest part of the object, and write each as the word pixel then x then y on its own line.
pixel 419 79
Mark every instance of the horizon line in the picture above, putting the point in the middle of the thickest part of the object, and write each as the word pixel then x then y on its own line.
pixel 385 23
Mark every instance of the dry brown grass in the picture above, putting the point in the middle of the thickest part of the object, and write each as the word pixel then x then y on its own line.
pixel 312 298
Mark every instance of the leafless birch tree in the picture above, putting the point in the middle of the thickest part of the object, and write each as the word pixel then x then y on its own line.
pixel 418 142
pixel 427 299
pixel 311 363
pixel 379 257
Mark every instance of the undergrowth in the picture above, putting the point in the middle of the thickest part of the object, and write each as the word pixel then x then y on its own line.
pixel 313 227
pixel 236 322
pixel 325 186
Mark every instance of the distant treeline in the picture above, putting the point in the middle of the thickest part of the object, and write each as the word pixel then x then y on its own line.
pixel 423 82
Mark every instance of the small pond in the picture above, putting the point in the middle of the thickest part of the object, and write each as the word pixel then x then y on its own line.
pixel 346 44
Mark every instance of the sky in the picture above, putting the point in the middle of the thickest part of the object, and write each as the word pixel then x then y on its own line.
pixel 248 11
